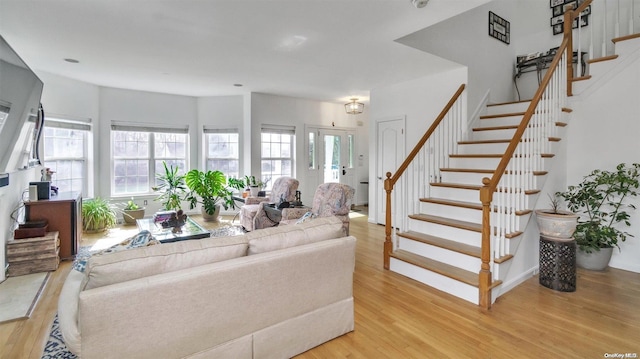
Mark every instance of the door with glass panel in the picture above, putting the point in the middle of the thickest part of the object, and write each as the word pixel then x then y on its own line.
pixel 336 156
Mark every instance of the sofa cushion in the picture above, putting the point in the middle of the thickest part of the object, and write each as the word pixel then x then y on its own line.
pixel 142 239
pixel 270 239
pixel 116 267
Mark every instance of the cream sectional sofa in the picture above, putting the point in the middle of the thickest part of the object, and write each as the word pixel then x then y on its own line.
pixel 272 293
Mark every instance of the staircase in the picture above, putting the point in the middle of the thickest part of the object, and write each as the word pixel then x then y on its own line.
pixel 441 246
pixel 438 238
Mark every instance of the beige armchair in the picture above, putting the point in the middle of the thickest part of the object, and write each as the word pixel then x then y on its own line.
pixel 252 216
pixel 330 199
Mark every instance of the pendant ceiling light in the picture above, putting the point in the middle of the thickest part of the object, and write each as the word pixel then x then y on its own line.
pixel 353 107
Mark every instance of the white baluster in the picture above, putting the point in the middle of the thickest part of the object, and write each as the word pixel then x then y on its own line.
pixel 618 20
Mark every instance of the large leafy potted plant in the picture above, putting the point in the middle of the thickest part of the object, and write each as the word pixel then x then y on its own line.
pixel 97 215
pixel 210 189
pixel 171 188
pixel 602 201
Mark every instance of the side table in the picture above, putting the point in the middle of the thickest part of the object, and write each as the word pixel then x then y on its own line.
pixel 558 263
pixel 33 255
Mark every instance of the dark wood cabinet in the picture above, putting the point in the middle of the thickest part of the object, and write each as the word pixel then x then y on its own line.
pixel 64 214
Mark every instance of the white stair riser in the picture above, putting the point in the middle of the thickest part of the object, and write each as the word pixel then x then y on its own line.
pixel 498 121
pixel 484 162
pixel 508 108
pixel 453 212
pixel 467 214
pixel 492 135
pixel 471 195
pixel 627 47
pixel 471 238
pixel 601 68
pixel 468 263
pixel 435 280
pixel 507 134
pixel 472 178
pixel 501 147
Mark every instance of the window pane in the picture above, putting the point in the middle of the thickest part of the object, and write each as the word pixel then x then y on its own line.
pixel 222 150
pixel 66 154
pixel 312 151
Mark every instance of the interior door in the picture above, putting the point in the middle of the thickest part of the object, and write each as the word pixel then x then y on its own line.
pixel 336 159
pixel 390 154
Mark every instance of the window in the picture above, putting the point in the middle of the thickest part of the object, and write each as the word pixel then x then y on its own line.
pixel 66 152
pixel 222 151
pixel 138 153
pixel 277 149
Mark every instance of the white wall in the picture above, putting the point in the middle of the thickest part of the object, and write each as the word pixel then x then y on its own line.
pixel 419 101
pixel 464 39
pixel 603 134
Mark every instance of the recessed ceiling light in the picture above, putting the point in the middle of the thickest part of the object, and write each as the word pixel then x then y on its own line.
pixel 237 85
pixel 73 61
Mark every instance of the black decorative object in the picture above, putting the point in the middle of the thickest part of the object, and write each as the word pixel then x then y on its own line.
pixel 499 28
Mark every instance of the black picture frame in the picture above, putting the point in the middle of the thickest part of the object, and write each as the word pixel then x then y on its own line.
pixel 499 28
pixel 557 20
pixel 554 3
pixel 558 29
pixel 557 10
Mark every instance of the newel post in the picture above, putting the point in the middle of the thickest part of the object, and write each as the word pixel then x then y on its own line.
pixel 485 270
pixel 388 245
pixel 568 32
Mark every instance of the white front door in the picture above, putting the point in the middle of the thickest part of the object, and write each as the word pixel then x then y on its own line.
pixel 390 154
pixel 336 156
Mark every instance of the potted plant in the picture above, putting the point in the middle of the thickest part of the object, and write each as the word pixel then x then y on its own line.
pixel 131 211
pixel 601 200
pixel 210 189
pixel 555 222
pixel 254 185
pixel 97 215
pixel 171 187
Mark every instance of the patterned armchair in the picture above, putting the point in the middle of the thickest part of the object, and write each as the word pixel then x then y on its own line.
pixel 252 214
pixel 330 199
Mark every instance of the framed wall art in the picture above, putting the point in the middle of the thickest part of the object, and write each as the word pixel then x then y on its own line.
pixel 559 7
pixel 499 28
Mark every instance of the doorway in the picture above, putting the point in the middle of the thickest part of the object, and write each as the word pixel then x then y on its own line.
pixel 336 156
pixel 390 152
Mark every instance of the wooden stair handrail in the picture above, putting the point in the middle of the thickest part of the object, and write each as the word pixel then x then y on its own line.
pixel 396 176
pixel 491 184
pixel 390 181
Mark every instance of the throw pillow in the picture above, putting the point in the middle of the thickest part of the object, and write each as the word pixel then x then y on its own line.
pixel 307 217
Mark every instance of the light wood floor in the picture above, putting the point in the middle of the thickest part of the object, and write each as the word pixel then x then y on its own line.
pixel 397 317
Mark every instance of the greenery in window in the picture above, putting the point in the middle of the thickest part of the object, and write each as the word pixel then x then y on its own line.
pixel 171 187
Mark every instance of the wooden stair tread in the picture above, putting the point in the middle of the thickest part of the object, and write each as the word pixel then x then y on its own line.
pixel 623 38
pixel 470 226
pixel 444 269
pixel 582 78
pixel 472 187
pixel 492 155
pixel 484 170
pixel 462 204
pixel 600 59
pixel 507 103
pixel 508 127
pixel 480 142
pixel 443 243
pixel 499 115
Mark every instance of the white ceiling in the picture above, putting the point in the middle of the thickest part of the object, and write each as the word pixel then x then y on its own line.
pixel 328 50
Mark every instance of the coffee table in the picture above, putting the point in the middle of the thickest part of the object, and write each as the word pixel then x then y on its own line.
pixel 190 230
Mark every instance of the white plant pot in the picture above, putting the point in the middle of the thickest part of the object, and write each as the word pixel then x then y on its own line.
pixel 210 217
pixel 253 191
pixel 596 260
pixel 560 225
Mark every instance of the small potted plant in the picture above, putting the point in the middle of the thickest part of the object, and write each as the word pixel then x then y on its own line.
pixel 254 185
pixel 131 212
pixel 171 188
pixel 555 222
pixel 210 189
pixel 97 215
pixel 602 201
